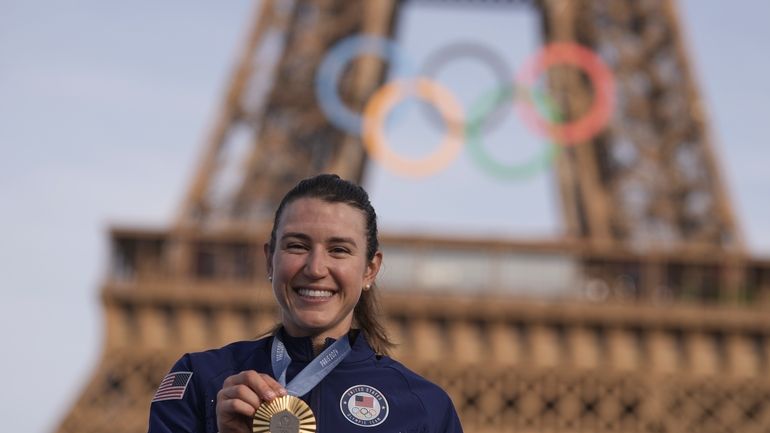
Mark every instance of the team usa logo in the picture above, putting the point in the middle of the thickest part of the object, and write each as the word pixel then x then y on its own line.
pixel 364 406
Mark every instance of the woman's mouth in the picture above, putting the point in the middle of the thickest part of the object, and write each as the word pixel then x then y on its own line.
pixel 314 293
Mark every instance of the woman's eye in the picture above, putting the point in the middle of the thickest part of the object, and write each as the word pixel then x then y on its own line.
pixel 339 250
pixel 295 247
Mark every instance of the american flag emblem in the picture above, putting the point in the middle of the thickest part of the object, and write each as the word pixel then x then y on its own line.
pixel 172 386
pixel 364 406
pixel 364 401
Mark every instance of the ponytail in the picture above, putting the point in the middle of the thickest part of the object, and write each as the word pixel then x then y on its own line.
pixel 367 315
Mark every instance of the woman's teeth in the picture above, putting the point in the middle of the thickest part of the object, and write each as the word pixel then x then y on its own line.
pixel 315 293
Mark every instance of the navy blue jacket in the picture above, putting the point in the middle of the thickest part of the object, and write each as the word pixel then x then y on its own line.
pixel 365 393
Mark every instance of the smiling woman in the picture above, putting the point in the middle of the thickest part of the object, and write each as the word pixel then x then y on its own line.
pixel 325 368
pixel 319 266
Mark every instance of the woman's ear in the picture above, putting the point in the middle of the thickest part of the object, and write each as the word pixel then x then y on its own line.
pixel 268 259
pixel 372 268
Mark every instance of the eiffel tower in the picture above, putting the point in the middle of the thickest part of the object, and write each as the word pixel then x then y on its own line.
pixel 666 325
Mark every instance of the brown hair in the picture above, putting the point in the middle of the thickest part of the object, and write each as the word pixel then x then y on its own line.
pixel 333 189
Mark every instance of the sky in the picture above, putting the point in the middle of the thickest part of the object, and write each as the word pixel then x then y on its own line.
pixel 104 108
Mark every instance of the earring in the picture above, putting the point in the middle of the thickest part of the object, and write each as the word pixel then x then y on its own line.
pixel 270 278
pixel 367 287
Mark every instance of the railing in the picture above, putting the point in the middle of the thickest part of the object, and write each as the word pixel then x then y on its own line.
pixel 546 270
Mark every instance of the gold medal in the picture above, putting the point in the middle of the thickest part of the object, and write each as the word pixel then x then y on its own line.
pixel 287 414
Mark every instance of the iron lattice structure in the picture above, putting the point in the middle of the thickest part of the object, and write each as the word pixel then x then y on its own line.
pixel 661 324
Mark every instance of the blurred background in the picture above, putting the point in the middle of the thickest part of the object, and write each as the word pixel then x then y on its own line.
pixel 105 110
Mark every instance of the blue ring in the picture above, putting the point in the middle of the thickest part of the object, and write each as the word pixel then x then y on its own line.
pixel 333 65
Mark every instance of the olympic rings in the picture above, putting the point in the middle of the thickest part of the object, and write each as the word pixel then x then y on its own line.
pixel 473 133
pixel 477 51
pixel 384 99
pixel 332 67
pixel 536 110
pixel 362 411
pixel 599 74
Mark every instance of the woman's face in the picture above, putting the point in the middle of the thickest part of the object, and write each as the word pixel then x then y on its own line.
pixel 319 266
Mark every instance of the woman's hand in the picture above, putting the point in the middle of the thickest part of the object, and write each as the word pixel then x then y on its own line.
pixel 239 398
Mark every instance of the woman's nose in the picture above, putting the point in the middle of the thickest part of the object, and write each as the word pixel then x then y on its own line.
pixel 315 266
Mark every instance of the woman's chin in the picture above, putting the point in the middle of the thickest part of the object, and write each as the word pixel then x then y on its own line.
pixel 312 325
pixel 316 324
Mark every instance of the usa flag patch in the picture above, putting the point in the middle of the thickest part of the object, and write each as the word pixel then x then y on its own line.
pixel 173 386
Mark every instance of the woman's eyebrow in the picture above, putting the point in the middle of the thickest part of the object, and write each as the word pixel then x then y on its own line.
pixel 341 240
pixel 297 235
pixel 331 240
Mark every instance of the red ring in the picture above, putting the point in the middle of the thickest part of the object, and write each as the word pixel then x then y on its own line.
pixel 588 125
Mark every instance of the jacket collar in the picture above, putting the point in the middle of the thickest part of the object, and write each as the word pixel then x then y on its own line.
pixel 301 348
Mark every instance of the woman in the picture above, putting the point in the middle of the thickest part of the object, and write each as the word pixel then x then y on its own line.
pixel 326 366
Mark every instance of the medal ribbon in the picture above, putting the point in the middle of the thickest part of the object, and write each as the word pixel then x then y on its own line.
pixel 318 368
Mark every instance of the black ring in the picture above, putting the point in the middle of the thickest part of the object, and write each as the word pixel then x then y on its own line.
pixel 477 51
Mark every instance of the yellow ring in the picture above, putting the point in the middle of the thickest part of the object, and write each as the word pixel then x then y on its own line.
pixel 387 97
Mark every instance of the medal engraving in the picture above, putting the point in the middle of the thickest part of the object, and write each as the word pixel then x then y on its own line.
pixel 284 422
pixel 287 414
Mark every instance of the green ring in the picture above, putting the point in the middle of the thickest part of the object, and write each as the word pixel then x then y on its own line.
pixel 477 113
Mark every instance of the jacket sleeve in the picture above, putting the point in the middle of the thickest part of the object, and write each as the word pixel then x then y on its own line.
pixel 177 407
pixel 451 422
